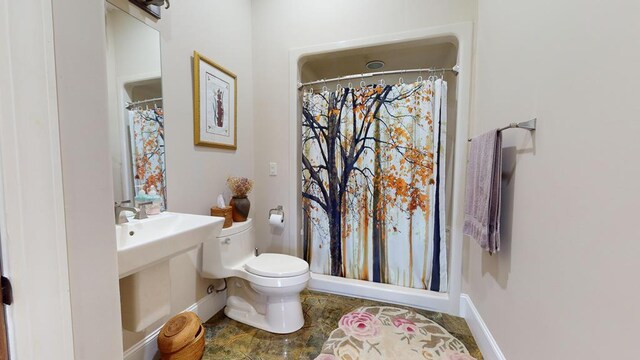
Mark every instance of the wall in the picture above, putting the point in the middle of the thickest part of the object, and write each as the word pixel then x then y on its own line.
pixel 308 23
pixel 221 31
pixel 80 67
pixel 564 283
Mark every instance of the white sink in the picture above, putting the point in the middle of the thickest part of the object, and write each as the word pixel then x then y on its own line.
pixel 143 243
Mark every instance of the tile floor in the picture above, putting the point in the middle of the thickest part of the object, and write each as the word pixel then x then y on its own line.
pixel 229 339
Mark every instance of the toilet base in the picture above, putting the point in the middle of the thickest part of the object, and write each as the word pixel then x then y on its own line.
pixel 279 314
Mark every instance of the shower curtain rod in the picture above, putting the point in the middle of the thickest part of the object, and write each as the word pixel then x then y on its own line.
pixel 129 104
pixel 455 70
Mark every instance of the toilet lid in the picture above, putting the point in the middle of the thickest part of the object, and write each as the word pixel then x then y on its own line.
pixel 276 265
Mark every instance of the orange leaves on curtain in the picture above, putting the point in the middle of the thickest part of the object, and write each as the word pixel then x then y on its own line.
pixel 370 181
pixel 147 147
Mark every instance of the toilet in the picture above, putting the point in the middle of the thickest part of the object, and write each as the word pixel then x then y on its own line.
pixel 262 291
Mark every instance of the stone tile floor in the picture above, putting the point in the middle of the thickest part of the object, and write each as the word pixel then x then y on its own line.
pixel 229 339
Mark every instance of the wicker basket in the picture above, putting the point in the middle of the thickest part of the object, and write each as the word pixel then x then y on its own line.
pixel 224 212
pixel 182 338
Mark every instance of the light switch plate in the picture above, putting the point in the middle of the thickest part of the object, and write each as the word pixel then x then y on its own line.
pixel 273 169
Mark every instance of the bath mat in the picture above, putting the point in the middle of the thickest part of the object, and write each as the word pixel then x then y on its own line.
pixel 384 332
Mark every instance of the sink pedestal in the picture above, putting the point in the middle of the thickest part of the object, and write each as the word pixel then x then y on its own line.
pixel 145 297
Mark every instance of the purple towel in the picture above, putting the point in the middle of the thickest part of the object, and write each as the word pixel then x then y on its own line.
pixel 482 198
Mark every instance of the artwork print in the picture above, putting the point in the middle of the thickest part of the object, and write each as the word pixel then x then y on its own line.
pixel 217 105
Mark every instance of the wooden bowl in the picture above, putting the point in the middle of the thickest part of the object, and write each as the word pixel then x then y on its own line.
pixel 182 338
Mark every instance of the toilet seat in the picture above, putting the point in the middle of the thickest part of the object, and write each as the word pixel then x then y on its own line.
pixel 276 266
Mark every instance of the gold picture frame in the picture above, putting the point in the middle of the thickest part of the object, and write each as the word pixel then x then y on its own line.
pixel 215 104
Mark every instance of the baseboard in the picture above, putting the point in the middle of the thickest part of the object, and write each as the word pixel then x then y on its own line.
pixel 205 308
pixel 486 343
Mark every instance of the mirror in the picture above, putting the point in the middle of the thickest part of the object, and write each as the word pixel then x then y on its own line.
pixel 136 117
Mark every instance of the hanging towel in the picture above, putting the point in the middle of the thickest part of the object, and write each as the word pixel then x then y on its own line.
pixel 482 198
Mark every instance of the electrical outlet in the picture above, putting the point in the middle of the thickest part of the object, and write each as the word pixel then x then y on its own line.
pixel 273 169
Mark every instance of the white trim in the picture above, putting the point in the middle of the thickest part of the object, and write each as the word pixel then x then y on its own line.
pixel 32 213
pixel 462 33
pixel 486 343
pixel 205 308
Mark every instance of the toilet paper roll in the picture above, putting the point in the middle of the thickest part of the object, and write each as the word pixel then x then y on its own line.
pixel 276 221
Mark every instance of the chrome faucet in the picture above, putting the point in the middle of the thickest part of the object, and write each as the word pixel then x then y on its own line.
pixel 119 208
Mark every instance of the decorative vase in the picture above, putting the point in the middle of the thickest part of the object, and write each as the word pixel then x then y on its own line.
pixel 240 206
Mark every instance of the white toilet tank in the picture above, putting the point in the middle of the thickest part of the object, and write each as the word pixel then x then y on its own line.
pixel 231 249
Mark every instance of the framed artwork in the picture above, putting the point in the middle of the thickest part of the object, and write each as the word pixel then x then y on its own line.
pixel 214 104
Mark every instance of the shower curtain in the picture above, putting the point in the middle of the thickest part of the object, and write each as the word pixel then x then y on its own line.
pixel 373 181
pixel 146 131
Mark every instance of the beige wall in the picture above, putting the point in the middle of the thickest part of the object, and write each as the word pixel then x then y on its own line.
pixel 565 283
pixel 221 31
pixel 279 26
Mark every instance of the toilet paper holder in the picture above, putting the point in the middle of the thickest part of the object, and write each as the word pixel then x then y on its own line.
pixel 278 211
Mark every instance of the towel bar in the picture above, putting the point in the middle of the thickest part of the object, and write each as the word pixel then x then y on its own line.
pixel 527 125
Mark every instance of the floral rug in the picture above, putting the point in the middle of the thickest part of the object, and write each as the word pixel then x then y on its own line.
pixel 384 332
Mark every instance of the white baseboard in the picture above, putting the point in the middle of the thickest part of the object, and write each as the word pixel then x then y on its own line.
pixel 486 343
pixel 205 308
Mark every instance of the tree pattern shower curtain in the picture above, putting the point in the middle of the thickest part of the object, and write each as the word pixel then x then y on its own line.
pixel 146 128
pixel 373 175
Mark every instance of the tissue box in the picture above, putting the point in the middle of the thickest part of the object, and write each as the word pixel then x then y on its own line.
pixel 224 212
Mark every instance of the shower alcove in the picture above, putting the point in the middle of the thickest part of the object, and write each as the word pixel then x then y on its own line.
pixel 434 48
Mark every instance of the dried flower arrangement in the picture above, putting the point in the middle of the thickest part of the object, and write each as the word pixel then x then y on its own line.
pixel 240 186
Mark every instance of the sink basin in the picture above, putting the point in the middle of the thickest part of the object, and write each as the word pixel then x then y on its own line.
pixel 147 242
